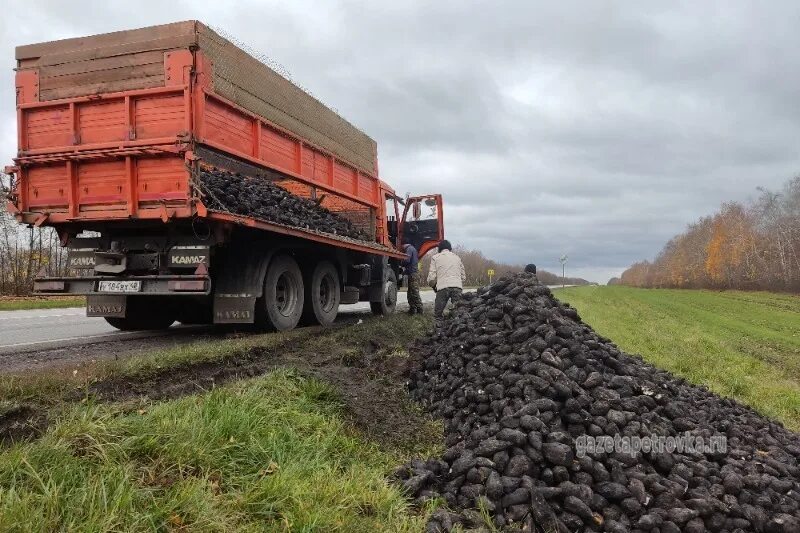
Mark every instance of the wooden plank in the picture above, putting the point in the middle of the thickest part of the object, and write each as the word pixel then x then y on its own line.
pixel 251 84
pixel 337 142
pixel 122 61
pixel 164 43
pixel 104 63
pixel 104 40
pixel 103 76
pixel 103 87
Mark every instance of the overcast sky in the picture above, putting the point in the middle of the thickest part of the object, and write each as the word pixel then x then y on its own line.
pixel 597 129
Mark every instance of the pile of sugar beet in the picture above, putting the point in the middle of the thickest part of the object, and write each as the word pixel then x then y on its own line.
pixel 517 378
pixel 259 197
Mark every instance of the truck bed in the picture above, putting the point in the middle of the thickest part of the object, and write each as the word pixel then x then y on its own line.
pixel 113 127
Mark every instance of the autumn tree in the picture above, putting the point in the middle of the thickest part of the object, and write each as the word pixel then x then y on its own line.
pixel 752 246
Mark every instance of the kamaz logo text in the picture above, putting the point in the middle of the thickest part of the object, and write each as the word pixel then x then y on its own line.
pixel 188 259
pixel 105 309
pixel 233 314
pixel 87 261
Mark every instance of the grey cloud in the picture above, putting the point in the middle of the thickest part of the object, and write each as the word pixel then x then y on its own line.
pixel 594 128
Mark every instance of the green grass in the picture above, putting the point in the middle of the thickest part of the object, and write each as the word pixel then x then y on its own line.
pixel 16 304
pixel 745 345
pixel 267 454
pixel 272 453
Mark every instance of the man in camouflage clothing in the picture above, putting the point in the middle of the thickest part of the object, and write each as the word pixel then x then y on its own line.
pixel 411 265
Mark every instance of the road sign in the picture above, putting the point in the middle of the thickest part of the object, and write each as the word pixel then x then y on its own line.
pixel 491 275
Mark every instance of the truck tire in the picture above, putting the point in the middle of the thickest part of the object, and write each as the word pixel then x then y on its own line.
pixel 281 305
pixel 388 303
pixel 144 314
pixel 323 294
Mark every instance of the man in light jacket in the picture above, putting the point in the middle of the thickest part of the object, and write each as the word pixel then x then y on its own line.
pixel 447 277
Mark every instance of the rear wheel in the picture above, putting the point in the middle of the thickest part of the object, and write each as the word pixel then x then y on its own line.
pixel 388 302
pixel 144 314
pixel 281 305
pixel 322 295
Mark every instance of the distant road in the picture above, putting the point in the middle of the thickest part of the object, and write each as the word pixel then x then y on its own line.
pixel 47 329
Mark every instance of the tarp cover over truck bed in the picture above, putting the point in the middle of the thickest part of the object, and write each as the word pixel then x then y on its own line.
pixel 134 59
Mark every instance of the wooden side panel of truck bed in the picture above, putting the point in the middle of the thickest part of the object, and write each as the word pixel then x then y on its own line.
pixel 133 60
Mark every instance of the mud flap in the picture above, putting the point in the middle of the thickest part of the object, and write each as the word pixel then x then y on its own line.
pixel 240 283
pixel 234 308
pixel 106 305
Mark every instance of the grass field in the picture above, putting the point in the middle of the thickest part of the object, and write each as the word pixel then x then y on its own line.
pixel 741 344
pixel 269 454
pixel 32 302
pixel 276 452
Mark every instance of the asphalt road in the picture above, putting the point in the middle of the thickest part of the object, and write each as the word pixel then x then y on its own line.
pixel 49 330
pixel 43 329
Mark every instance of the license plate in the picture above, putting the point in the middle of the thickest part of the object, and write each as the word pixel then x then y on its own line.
pixel 119 286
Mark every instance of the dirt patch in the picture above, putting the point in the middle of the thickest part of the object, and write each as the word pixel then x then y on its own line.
pixel 372 386
pixel 21 422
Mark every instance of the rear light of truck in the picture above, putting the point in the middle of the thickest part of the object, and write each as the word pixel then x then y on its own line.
pixel 187 285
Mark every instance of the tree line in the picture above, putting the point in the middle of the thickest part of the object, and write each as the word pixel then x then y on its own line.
pixel 477 266
pixel 751 246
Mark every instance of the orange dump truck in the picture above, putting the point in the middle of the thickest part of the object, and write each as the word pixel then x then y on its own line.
pixel 113 131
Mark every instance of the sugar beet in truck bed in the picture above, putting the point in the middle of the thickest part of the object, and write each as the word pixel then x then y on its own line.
pixel 114 130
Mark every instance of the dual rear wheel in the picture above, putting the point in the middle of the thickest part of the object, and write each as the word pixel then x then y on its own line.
pixel 388 302
pixel 323 293
pixel 290 298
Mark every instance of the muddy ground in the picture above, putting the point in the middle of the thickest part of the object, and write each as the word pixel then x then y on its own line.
pixel 365 363
pixel 73 357
pixel 78 355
